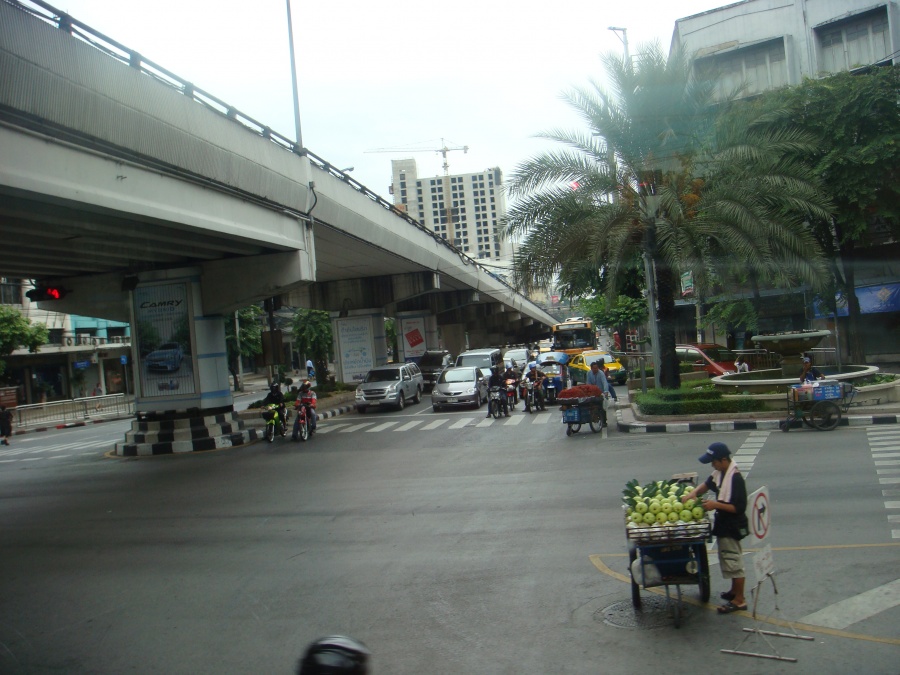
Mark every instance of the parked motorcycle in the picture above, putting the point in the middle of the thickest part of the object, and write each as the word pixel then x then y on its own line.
pixel 304 424
pixel 276 421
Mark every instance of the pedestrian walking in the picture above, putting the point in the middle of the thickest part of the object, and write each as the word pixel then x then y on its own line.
pixel 6 418
pixel 310 369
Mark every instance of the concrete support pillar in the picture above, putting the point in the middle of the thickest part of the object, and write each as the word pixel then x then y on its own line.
pixel 182 396
pixel 454 337
pixel 359 343
pixel 416 332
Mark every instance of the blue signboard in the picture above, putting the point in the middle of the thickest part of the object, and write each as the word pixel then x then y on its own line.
pixel 81 365
pixel 872 300
pixel 123 359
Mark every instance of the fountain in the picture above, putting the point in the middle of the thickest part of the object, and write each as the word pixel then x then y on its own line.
pixel 791 346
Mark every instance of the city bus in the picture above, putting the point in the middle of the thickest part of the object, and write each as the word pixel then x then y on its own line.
pixel 574 336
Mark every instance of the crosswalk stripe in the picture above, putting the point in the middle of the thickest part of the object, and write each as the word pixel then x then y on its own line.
pixel 514 420
pixel 382 427
pixel 356 427
pixel 859 607
pixel 409 425
pixel 889 481
pixel 459 424
pixel 540 419
pixel 434 424
pixel 892 505
pixel 889 462
pixel 886 472
pixel 885 455
pixel 327 428
pixel 486 422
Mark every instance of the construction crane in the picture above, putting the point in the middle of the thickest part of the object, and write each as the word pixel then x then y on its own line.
pixel 443 150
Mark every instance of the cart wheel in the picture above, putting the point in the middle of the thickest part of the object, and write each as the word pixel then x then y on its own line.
pixel 569 430
pixel 635 588
pixel 785 426
pixel 575 428
pixel 807 421
pixel 596 422
pixel 825 415
pixel 703 572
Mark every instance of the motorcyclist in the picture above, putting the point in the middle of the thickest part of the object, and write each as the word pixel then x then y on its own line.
pixel 277 398
pixel 307 391
pixel 498 380
pixel 536 375
pixel 511 374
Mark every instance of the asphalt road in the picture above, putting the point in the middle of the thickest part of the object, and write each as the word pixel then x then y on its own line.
pixel 446 542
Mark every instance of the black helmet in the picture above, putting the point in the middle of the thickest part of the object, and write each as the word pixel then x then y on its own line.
pixel 274 387
pixel 335 655
pixel 306 385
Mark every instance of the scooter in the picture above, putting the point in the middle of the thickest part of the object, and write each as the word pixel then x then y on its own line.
pixel 495 408
pixel 512 395
pixel 550 391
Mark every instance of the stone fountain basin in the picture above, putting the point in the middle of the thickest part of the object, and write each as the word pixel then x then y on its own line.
pixel 759 381
pixel 788 344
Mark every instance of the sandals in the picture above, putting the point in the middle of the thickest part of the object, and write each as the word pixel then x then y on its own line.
pixel 729 608
pixel 727 595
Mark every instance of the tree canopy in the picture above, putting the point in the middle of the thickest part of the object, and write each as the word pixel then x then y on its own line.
pixel 17 332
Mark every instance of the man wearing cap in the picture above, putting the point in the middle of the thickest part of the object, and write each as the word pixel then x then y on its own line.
pixel 809 373
pixel 730 521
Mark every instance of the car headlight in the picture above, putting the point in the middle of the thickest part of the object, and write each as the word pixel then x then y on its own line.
pixel 359 393
pixel 470 391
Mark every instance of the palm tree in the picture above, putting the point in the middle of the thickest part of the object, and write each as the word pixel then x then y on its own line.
pixel 663 174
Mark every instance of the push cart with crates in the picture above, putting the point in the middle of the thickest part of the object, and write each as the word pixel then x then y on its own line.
pixel 585 410
pixel 671 556
pixel 818 404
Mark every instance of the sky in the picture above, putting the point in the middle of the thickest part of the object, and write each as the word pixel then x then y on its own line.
pixel 412 75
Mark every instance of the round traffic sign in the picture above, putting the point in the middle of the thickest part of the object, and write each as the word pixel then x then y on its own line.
pixel 760 515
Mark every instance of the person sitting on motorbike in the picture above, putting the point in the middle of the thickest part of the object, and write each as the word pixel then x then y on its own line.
pixel 511 374
pixel 498 380
pixel 277 398
pixel 536 375
pixel 306 390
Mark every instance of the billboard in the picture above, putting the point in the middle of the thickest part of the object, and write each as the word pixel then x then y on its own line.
pixel 163 336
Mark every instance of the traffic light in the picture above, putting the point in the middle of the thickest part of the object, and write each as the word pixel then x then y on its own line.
pixel 44 293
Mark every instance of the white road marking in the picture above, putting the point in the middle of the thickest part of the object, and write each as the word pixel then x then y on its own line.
pixel 514 420
pixel 887 472
pixel 383 426
pixel 485 422
pixel 326 428
pixel 858 608
pixel 889 481
pixel 409 425
pixel 885 455
pixel 890 462
pixel 459 424
pixel 434 425
pixel 894 518
pixel 540 419
pixel 892 505
pixel 356 427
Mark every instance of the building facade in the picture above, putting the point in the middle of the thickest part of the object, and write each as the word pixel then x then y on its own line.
pixel 773 43
pixel 84 356
pixel 465 209
pixel 767 44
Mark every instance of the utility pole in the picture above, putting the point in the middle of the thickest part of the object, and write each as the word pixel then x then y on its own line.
pixel 294 78
pixel 623 38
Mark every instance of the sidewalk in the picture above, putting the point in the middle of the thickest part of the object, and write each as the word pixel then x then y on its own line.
pixel 628 420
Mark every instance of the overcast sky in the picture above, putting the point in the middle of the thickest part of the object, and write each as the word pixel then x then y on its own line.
pixel 377 74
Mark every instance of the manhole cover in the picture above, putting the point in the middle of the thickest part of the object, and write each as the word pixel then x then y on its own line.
pixel 655 612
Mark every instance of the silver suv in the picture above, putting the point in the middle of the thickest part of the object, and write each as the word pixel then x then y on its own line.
pixel 391 385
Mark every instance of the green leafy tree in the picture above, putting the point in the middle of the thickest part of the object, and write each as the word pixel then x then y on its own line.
pixel 390 335
pixel 660 174
pixel 619 316
pixel 16 332
pixel 250 343
pixel 313 337
pixel 858 160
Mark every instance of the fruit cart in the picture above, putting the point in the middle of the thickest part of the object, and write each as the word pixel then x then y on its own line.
pixel 672 556
pixel 586 410
pixel 818 404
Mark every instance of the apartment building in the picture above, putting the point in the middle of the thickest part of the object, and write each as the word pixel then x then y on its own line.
pixel 465 209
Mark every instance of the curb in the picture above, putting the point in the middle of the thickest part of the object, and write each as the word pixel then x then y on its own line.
pixel 740 425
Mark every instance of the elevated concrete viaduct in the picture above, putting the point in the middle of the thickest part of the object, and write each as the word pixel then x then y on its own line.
pixel 154 202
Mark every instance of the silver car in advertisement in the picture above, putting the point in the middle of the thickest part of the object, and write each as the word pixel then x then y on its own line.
pixel 460 386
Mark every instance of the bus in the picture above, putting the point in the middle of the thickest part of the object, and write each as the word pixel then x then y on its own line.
pixel 574 336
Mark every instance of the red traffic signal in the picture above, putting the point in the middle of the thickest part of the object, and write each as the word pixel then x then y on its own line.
pixel 46 293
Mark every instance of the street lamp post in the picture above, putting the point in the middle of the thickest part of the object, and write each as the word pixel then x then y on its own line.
pixel 623 38
pixel 294 78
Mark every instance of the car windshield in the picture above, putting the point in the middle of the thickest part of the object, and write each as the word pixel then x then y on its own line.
pixel 550 368
pixel 431 359
pixel 721 355
pixel 599 358
pixel 476 360
pixel 517 355
pixel 458 375
pixel 383 375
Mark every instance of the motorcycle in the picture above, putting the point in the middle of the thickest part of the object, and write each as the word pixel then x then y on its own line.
pixel 532 400
pixel 512 394
pixel 304 424
pixel 276 421
pixel 495 408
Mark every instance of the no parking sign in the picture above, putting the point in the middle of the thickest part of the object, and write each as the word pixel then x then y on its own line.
pixel 760 518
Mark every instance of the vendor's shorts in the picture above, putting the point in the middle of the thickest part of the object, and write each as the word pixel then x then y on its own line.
pixel 731 558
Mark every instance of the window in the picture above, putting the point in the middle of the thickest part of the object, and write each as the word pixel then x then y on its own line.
pixel 10 291
pixel 760 67
pixel 858 42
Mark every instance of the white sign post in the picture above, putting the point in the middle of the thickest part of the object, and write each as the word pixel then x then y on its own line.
pixel 760 520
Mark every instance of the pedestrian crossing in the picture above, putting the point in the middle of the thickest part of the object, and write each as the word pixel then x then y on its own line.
pixel 18 452
pixel 431 424
pixel 884 444
pixel 745 456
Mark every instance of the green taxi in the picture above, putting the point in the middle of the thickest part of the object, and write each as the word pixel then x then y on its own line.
pixel 580 366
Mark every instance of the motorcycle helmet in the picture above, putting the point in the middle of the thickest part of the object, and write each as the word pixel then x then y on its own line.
pixel 532 365
pixel 274 388
pixel 335 655
pixel 306 386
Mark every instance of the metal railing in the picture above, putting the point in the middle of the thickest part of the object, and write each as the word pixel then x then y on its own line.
pixel 73 410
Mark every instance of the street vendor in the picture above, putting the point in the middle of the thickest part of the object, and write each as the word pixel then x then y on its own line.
pixel 809 373
pixel 598 379
pixel 730 525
